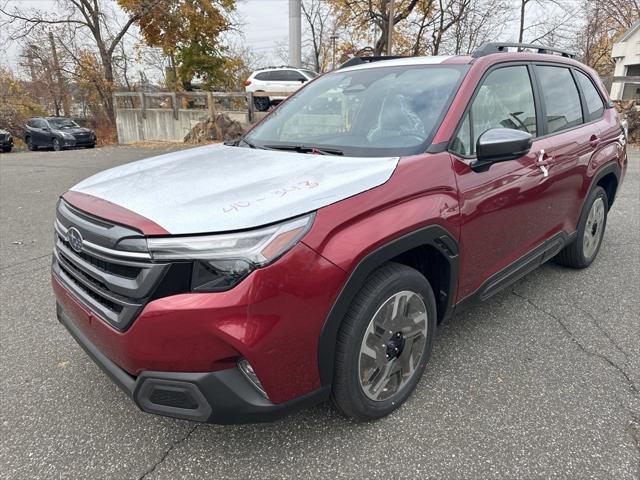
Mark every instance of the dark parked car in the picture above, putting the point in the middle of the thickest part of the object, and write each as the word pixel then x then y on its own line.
pixel 6 141
pixel 57 133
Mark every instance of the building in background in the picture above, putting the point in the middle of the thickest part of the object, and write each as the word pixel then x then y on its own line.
pixel 626 76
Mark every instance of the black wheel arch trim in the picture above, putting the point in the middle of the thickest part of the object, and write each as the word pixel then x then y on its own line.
pixel 433 235
pixel 611 166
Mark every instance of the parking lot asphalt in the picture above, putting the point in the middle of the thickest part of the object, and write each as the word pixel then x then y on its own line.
pixel 541 381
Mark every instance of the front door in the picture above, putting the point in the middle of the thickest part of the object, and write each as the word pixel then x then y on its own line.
pixel 505 212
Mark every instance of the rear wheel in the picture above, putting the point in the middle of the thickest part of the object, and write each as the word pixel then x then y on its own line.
pixel 593 221
pixel 57 144
pixel 6 149
pixel 92 145
pixel 262 104
pixel 384 343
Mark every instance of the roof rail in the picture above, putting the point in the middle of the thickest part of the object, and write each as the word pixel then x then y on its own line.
pixel 277 66
pixel 360 60
pixel 489 48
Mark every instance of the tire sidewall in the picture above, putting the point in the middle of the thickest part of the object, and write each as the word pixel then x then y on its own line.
pixel 597 192
pixel 412 282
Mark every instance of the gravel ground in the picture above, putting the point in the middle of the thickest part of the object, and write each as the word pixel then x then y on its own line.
pixel 542 381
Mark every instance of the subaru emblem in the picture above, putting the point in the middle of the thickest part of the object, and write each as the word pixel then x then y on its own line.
pixel 75 239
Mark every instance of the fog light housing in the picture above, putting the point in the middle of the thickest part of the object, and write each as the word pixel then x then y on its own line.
pixel 247 370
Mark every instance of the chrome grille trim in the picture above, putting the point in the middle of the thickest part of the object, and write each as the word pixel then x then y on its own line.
pixel 113 284
pixel 94 248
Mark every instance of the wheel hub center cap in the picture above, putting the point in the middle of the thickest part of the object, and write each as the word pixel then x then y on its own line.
pixel 395 346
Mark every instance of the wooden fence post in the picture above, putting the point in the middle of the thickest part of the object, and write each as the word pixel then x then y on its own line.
pixel 210 105
pixel 143 104
pixel 174 105
pixel 250 107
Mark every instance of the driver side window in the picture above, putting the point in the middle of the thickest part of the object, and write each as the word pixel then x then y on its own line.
pixel 504 100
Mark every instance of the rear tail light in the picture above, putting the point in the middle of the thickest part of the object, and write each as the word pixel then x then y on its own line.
pixel 247 82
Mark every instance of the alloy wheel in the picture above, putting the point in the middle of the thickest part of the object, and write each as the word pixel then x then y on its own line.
pixel 594 228
pixel 392 346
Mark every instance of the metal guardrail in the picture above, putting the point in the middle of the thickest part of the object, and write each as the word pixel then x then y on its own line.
pixel 177 97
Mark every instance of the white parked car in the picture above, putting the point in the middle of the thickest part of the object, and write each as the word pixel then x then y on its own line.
pixel 282 79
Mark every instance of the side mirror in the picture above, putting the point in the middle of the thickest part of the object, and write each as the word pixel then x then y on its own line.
pixel 500 145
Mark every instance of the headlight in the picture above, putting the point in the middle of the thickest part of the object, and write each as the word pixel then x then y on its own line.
pixel 67 136
pixel 221 261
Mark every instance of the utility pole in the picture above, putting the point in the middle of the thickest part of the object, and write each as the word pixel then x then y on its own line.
pixel 390 28
pixel 295 33
pixel 62 86
pixel 333 38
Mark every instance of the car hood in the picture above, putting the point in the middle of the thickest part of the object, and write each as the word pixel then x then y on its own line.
pixel 218 188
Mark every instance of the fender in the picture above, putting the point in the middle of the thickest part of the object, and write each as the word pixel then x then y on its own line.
pixel 612 166
pixel 433 235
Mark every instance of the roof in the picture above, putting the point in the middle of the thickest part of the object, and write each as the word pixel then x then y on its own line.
pixel 627 35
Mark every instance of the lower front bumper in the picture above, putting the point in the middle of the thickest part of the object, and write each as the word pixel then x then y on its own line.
pixel 223 397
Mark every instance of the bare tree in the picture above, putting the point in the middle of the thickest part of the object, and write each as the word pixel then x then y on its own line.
pixel 552 21
pixel 91 16
pixel 318 17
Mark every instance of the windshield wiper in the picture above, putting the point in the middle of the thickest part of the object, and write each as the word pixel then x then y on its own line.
pixel 306 149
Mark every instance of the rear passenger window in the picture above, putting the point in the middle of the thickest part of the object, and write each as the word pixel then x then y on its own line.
pixel 560 97
pixel 504 100
pixel 595 106
pixel 263 76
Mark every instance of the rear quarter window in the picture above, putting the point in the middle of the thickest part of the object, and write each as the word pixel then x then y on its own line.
pixel 595 105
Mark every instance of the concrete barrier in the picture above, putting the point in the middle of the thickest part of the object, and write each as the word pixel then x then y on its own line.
pixel 170 123
pixel 161 125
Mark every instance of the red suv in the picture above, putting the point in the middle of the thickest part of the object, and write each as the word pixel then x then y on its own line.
pixel 315 257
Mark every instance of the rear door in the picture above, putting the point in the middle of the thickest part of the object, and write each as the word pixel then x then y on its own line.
pixel 288 80
pixel 573 138
pixel 503 209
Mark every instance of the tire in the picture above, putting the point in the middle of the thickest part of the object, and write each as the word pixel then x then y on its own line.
pixel 593 221
pixel 262 104
pixel 57 146
pixel 6 149
pixel 30 146
pixel 93 145
pixel 352 393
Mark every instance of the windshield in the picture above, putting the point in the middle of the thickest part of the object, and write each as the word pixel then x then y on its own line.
pixel 384 111
pixel 62 123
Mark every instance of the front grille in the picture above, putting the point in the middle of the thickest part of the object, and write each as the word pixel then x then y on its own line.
pixel 113 282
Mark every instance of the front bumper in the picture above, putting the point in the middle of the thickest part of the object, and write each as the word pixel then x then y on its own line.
pixel 223 397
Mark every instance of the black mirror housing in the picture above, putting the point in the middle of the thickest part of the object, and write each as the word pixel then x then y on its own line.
pixel 500 145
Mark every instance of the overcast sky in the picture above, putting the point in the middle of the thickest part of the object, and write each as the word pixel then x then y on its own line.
pixel 265 24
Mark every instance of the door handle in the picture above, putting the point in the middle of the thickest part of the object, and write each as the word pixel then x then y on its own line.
pixel 542 164
pixel 594 141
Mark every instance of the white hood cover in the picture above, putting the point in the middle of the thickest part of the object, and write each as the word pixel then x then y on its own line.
pixel 217 188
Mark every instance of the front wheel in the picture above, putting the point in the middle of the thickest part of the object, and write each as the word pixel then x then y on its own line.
pixel 384 343
pixel 6 149
pixel 57 144
pixel 30 146
pixel 593 221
